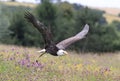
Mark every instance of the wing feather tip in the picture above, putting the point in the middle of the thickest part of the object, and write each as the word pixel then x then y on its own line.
pixel 86 27
pixel 28 16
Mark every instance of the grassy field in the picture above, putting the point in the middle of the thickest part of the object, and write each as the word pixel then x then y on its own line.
pixel 19 64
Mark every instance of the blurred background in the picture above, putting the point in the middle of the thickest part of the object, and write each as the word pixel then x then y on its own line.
pixel 65 18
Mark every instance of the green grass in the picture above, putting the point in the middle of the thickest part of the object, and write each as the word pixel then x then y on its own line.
pixel 19 64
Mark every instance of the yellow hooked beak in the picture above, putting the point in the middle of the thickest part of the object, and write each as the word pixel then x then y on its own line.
pixel 43 51
pixel 66 53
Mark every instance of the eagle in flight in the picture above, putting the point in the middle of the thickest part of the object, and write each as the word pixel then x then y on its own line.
pixel 50 46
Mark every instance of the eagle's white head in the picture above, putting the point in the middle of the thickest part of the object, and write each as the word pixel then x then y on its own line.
pixel 61 52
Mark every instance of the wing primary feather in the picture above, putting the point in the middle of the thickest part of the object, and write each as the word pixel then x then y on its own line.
pixel 46 34
pixel 83 33
pixel 65 43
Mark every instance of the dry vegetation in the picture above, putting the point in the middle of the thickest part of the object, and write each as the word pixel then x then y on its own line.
pixel 111 14
pixel 113 11
pixel 18 64
pixel 20 4
pixel 110 18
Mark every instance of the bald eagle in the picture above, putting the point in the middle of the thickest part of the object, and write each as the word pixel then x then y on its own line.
pixel 50 46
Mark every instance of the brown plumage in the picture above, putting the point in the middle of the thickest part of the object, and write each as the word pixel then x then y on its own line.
pixel 50 46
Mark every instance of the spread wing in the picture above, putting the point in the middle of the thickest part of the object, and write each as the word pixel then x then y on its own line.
pixel 65 43
pixel 46 34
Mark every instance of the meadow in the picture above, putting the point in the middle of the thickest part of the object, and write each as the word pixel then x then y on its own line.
pixel 19 64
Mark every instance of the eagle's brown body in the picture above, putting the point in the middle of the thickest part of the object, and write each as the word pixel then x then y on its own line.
pixel 50 46
pixel 52 49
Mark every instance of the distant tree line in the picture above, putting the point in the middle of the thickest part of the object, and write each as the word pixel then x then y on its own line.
pixel 119 15
pixel 64 20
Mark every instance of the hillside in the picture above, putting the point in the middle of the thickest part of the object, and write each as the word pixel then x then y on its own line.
pixel 110 15
pixel 19 4
pixel 112 11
